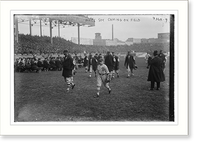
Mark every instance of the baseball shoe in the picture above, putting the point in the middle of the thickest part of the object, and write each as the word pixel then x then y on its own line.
pixel 96 96
pixel 73 86
pixel 109 91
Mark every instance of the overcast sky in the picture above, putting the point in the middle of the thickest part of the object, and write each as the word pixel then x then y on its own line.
pixel 125 26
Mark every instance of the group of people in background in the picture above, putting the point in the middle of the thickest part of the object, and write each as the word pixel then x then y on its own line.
pixel 34 64
pixel 105 67
pixel 110 59
pixel 102 71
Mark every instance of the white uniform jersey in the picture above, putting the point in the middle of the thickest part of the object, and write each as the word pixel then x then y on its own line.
pixel 102 69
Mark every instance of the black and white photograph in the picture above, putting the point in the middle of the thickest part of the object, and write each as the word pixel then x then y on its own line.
pixel 93 67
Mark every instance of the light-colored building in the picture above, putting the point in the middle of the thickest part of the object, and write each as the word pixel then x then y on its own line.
pixel 111 42
pixel 163 36
pixel 131 41
pixel 144 40
pixel 98 40
pixel 83 41
pixel 136 40
pixel 121 43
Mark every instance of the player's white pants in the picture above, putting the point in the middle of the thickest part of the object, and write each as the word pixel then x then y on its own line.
pixel 101 79
pixel 129 71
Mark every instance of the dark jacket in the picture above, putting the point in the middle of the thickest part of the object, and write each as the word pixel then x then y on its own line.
pixel 94 63
pixel 162 56
pixel 46 64
pixel 68 66
pixel 109 62
pixel 129 61
pixel 156 73
pixel 58 63
pixel 116 62
pixel 89 62
pixel 85 62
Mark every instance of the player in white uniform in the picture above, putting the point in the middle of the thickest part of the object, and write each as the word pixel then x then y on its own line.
pixel 103 77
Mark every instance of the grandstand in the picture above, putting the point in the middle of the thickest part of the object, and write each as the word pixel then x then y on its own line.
pixel 41 45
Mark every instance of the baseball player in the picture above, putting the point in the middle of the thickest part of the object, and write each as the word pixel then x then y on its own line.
pixel 68 67
pixel 103 77
pixel 90 65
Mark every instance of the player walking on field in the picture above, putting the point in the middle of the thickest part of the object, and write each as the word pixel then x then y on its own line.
pixel 103 77
pixel 95 63
pixel 85 62
pixel 115 65
pixel 129 64
pixel 68 67
pixel 90 65
pixel 109 62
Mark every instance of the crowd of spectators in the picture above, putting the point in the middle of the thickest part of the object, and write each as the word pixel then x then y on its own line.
pixel 42 45
pixel 42 63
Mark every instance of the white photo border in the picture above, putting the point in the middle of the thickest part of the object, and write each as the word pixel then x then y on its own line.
pixel 72 125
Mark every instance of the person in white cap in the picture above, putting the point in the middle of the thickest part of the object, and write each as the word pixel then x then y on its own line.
pixel 103 77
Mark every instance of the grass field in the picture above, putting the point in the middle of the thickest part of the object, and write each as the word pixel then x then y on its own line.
pixel 43 97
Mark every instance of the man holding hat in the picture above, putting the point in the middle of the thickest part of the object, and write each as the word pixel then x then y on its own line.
pixel 103 77
pixel 68 66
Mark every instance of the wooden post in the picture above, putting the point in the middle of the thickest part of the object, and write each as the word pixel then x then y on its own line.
pixel 50 27
pixel 112 33
pixel 30 26
pixel 16 29
pixel 78 34
pixel 58 28
pixel 40 27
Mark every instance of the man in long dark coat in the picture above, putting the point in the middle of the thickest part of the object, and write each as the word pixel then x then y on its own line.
pixel 129 64
pixel 90 65
pixel 68 66
pixel 85 62
pixel 156 73
pixel 115 65
pixel 109 63
pixel 95 63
